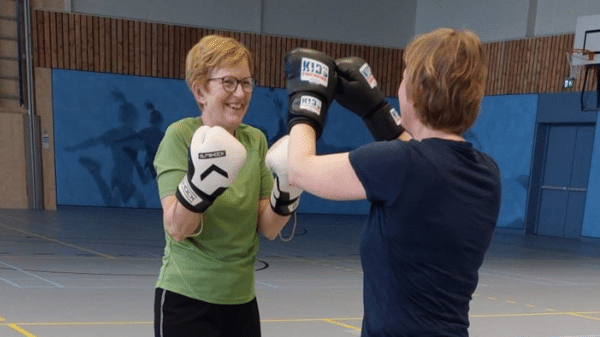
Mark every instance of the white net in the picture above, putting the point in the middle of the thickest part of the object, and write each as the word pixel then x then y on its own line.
pixel 576 71
pixel 577 60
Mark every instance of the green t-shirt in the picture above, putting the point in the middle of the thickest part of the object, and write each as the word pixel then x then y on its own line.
pixel 218 265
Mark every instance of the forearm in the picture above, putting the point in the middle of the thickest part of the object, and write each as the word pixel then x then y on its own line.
pixel 270 223
pixel 180 222
pixel 326 176
pixel 302 147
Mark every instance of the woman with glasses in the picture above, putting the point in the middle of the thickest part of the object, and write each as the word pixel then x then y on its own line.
pixel 206 282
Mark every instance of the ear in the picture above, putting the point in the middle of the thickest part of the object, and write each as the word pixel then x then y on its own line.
pixel 199 92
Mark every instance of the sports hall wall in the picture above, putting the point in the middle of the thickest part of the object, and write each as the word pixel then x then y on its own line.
pixel 147 55
pixel 114 80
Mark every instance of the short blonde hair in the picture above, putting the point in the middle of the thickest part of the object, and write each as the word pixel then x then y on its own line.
pixel 211 52
pixel 446 73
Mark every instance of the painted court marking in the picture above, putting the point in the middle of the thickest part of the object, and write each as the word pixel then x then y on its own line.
pixel 352 327
pixel 56 241
pixel 18 326
pixel 582 314
pixel 54 284
pixel 21 330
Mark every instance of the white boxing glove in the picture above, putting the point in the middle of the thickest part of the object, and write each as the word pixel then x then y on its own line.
pixel 285 198
pixel 215 159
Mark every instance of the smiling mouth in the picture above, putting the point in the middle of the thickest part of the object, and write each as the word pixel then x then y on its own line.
pixel 235 106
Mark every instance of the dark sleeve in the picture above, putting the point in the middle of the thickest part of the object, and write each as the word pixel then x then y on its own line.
pixel 381 167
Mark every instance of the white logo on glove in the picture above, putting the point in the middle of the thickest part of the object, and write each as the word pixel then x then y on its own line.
pixel 365 70
pixel 314 72
pixel 396 116
pixel 310 103
pixel 210 155
pixel 186 190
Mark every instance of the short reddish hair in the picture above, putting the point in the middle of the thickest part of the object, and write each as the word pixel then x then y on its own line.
pixel 446 73
pixel 211 52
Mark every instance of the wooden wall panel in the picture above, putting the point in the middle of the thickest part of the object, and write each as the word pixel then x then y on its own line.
pixel 53 44
pixel 527 65
pixel 496 77
pixel 13 168
pixel 154 51
pixel 131 61
pixel 148 50
pixel 504 78
pixel 85 44
pixel 135 54
pixel 60 41
pixel 174 52
pixel 75 41
pixel 34 38
pixel 541 59
pixel 76 45
pixel 513 68
pixel 46 41
pixel 490 61
pixel 72 63
pixel 43 107
pixel 546 65
pixel 91 42
pixel 101 46
pixel 94 31
pixel 262 57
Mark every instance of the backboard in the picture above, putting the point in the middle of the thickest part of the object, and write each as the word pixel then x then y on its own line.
pixel 586 56
pixel 587 37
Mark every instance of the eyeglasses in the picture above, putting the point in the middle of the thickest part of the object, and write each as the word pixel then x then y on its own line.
pixel 230 83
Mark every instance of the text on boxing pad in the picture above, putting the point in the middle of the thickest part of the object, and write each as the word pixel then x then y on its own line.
pixel 314 72
pixel 211 155
pixel 310 103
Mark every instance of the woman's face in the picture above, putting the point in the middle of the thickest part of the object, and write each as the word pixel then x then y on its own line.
pixel 222 107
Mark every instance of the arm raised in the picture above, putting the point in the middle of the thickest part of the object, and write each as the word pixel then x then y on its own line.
pixel 326 176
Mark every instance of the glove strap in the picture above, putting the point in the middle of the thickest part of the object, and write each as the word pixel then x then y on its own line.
pixel 194 199
pixel 283 205
pixel 384 123
pixel 308 108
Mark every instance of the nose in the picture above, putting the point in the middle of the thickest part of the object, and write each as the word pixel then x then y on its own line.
pixel 239 92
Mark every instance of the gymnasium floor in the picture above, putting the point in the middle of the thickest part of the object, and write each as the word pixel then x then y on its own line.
pixel 91 272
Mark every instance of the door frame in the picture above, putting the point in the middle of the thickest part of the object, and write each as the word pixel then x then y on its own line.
pixel 553 110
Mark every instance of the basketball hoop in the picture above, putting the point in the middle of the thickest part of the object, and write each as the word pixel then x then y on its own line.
pixel 583 56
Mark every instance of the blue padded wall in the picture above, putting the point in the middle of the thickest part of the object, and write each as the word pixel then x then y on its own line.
pixel 103 134
pixel 96 117
pixel 505 130
pixel 591 220
pixel 105 114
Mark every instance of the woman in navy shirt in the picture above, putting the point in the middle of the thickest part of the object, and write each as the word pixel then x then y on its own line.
pixel 434 198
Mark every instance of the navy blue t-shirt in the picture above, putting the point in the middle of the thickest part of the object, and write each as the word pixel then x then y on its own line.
pixel 434 207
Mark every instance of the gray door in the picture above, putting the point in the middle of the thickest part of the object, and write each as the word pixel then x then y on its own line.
pixel 564 180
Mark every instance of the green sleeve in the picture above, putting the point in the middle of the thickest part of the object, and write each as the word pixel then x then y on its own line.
pixel 171 160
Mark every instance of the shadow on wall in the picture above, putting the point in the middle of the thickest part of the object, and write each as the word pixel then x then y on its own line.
pixel 105 158
pixel 107 129
pixel 124 144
